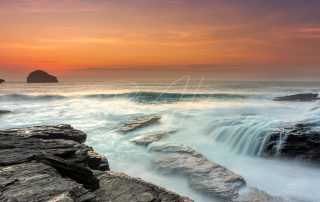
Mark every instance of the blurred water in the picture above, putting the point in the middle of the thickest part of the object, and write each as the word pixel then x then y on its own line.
pixel 225 121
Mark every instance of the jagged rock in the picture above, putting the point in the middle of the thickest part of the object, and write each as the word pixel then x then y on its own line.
pixel 256 195
pixel 1 81
pixel 118 187
pixel 203 175
pixel 305 97
pixel 148 139
pixel 20 145
pixel 77 172
pixel 139 122
pixel 34 167
pixel 35 181
pixel 4 112
pixel 15 149
pixel 296 141
pixel 40 76
pixel 97 161
pixel 65 132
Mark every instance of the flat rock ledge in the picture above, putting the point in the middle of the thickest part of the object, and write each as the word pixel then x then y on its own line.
pixel 50 163
pixel 207 177
pixel 145 140
pixel 305 97
pixel 140 122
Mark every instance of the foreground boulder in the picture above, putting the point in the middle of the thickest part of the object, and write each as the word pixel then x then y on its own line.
pixel 295 141
pixel 40 76
pixel 34 181
pixel 1 81
pixel 22 145
pixel 298 97
pixel 50 163
pixel 139 122
pixel 204 176
pixel 118 187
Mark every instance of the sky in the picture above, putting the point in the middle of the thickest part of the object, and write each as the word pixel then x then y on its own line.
pixel 215 39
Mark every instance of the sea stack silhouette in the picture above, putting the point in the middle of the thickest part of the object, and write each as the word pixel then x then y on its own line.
pixel 1 81
pixel 40 76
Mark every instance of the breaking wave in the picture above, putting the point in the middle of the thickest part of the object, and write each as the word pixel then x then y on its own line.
pixel 25 97
pixel 140 97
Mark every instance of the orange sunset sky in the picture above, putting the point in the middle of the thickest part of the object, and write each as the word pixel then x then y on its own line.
pixel 217 39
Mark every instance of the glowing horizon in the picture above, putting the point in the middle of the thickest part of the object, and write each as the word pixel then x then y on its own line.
pixel 72 35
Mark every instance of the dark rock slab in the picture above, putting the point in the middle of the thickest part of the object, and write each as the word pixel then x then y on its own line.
pixel 40 76
pixel 35 181
pixel 34 167
pixel 294 141
pixel 145 140
pixel 2 81
pixel 4 112
pixel 139 122
pixel 20 145
pixel 64 131
pixel 118 187
pixel 15 150
pixel 204 176
pixel 77 172
pixel 305 97
pixel 97 161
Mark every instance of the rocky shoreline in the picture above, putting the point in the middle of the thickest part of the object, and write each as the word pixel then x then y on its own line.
pixel 52 163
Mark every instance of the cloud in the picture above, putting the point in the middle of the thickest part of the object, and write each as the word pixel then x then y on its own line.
pixel 47 6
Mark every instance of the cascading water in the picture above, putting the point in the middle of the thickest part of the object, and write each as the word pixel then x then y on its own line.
pixel 243 136
pixel 249 135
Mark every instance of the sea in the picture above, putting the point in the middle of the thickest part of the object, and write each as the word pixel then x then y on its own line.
pixel 225 121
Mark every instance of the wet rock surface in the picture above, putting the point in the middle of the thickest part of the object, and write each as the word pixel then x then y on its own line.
pixel 4 112
pixel 145 140
pixel 305 97
pixel 118 187
pixel 50 163
pixel 204 176
pixel 139 122
pixel 64 132
pixel 256 195
pixel 40 76
pixel 2 81
pixel 34 181
pixel 295 141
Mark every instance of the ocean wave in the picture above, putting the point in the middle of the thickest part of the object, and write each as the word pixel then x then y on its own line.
pixel 159 97
pixel 140 97
pixel 25 97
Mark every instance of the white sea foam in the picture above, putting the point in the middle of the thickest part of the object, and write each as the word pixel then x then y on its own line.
pixel 226 122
